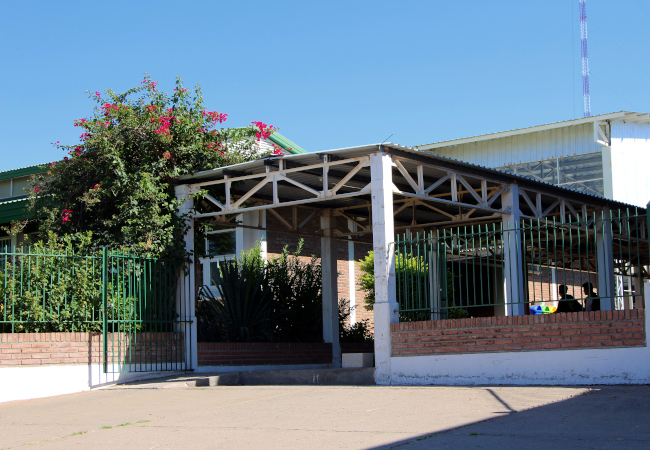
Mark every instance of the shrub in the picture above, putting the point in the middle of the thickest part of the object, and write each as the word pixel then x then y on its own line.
pixel 406 268
pixel 357 332
pixel 278 300
pixel 57 286
pixel 296 286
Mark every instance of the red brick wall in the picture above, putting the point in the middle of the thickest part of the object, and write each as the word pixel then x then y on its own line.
pixel 597 329
pixel 22 349
pixel 262 353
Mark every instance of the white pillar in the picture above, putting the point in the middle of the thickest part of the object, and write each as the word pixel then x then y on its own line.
pixel 513 261
pixel 186 302
pixel 434 280
pixel 352 279
pixel 605 255
pixel 330 286
pixel 383 239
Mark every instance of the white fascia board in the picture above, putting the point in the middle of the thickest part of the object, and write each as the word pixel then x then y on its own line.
pixel 502 134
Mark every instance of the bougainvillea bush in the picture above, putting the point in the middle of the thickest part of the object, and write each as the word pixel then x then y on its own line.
pixel 118 181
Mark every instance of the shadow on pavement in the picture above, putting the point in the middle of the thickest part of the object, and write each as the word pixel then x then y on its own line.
pixel 603 418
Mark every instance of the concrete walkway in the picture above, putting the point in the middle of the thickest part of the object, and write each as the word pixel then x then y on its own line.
pixel 324 417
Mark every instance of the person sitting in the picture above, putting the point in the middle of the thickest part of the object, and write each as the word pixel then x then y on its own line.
pixel 592 302
pixel 567 303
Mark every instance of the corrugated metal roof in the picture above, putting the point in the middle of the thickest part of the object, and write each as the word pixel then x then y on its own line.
pixel 286 144
pixel 12 210
pixel 23 171
pixel 257 166
pixel 622 115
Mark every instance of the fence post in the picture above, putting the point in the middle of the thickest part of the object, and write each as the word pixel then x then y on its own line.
pixel 105 308
pixel 605 261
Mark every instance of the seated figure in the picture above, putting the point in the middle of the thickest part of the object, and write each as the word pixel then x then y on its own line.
pixel 567 303
pixel 592 302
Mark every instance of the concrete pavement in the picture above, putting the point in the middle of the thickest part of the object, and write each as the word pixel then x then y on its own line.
pixel 325 417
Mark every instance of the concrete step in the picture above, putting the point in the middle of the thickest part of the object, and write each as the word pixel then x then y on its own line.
pixel 329 377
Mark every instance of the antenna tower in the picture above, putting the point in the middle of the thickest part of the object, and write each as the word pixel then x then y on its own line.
pixel 585 59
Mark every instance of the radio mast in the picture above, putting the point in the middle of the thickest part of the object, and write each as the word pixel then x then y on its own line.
pixel 585 59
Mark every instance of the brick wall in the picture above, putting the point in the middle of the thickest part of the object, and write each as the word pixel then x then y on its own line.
pixel 262 353
pixel 597 329
pixel 22 349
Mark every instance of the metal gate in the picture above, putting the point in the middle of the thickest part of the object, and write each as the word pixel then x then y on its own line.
pixel 145 305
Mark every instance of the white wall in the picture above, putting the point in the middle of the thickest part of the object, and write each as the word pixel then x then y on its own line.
pixel 565 141
pixel 630 160
pixel 22 383
pixel 551 367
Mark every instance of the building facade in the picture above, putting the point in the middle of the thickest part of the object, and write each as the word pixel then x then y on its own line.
pixel 605 155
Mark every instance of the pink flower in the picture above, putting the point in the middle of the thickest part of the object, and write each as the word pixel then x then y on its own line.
pixel 98 94
pixel 151 108
pixel 37 189
pixel 215 116
pixel 165 122
pixel 65 216
pixel 264 130
pixel 167 155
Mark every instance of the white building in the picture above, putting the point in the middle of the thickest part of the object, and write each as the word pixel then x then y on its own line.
pixel 606 155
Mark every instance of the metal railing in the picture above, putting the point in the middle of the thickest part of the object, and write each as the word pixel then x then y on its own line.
pixel 540 267
pixel 138 304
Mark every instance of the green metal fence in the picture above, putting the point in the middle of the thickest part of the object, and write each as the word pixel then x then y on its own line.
pixel 134 307
pixel 536 268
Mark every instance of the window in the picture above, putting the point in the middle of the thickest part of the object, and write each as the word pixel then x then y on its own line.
pixel 18 186
pixel 220 246
pixel 582 173
pixel 5 188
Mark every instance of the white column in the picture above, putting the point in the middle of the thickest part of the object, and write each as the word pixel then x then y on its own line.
pixel 186 302
pixel 263 245
pixel 330 286
pixel 434 280
pixel 383 240
pixel 605 255
pixel 513 261
pixel 352 279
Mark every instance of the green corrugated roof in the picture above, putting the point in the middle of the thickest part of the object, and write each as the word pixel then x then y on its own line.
pixel 23 171
pixel 12 210
pixel 286 144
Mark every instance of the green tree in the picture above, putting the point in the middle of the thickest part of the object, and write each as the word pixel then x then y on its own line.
pixel 407 266
pixel 117 182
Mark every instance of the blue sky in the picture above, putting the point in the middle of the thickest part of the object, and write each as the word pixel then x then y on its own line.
pixel 329 74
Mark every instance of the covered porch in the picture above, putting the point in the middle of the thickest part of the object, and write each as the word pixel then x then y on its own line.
pixel 441 215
